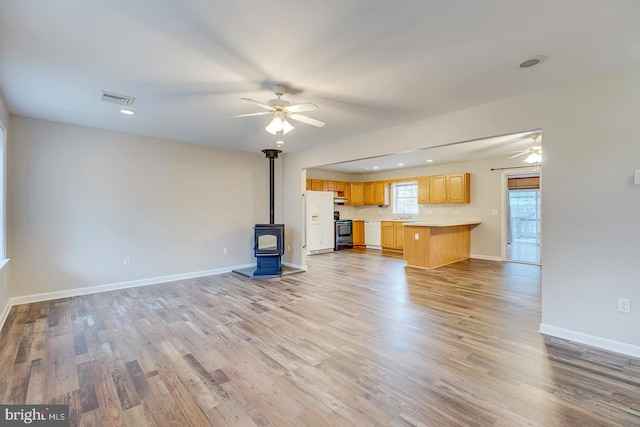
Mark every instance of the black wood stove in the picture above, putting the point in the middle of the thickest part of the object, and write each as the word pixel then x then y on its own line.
pixel 268 241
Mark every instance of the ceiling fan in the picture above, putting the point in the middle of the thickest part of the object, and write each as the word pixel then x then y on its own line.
pixel 281 110
pixel 534 152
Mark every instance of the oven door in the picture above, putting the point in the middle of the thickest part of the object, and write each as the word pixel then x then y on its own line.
pixel 344 235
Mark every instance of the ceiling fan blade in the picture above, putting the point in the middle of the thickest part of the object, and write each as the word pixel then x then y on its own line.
pixel 520 154
pixel 263 113
pixel 307 120
pixel 259 104
pixel 299 108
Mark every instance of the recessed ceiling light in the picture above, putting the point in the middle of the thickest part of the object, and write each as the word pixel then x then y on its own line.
pixel 534 60
pixel 429 160
pixel 127 112
pixel 400 164
pixel 375 167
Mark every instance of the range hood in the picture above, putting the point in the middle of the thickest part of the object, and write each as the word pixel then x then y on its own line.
pixel 339 200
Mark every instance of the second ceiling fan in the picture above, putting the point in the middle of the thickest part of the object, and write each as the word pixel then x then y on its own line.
pixel 282 110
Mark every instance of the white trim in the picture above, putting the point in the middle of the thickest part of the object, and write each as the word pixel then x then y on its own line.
pixel 504 223
pixel 27 299
pixel 487 257
pixel 590 340
pixel 5 313
pixel 296 266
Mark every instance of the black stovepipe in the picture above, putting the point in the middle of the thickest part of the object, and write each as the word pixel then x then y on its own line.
pixel 271 155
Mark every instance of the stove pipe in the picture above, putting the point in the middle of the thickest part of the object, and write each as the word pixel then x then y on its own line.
pixel 271 155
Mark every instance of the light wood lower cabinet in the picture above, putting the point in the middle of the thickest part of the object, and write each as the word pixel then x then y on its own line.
pixel 392 235
pixel 358 233
pixel 431 247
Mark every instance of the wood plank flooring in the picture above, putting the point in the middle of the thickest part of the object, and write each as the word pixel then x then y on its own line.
pixel 358 340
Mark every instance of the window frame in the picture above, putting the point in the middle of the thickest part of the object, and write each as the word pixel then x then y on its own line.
pixel 396 209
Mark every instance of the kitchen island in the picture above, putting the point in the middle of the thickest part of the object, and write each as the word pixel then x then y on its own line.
pixel 438 241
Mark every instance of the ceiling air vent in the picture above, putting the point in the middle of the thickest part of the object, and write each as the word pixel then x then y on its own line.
pixel 117 99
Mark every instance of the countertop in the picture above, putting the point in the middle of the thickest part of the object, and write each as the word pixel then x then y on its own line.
pixel 445 222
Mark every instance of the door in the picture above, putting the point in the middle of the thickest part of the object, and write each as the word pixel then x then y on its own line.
pixel 523 218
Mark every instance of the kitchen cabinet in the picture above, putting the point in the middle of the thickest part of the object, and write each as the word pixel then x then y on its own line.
pixel 376 193
pixel 318 185
pixel 358 233
pixel 423 190
pixel 398 236
pixel 392 235
pixel 347 192
pixel 357 194
pixel 367 193
pixel 308 183
pixel 453 188
pixel 332 185
pixel 432 244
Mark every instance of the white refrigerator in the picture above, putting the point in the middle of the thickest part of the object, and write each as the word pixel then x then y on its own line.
pixel 320 224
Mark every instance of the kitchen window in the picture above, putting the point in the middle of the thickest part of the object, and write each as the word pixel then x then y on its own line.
pixel 405 198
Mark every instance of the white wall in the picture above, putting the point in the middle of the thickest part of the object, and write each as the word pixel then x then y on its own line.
pixel 4 270
pixel 590 205
pixel 82 199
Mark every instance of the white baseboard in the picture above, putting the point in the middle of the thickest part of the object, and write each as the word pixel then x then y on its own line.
pixel 5 313
pixel 486 257
pixel 27 299
pixel 590 340
pixel 296 266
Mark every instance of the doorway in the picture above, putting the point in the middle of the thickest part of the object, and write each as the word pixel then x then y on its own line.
pixel 523 218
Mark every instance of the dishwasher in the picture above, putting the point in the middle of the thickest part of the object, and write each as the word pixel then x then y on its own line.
pixel 372 233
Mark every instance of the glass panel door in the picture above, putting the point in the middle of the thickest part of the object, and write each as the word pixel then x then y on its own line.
pixel 523 240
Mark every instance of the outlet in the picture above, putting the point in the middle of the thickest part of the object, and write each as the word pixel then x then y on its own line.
pixel 225 251
pixel 624 305
pixel 416 236
pixel 288 248
pixel 127 260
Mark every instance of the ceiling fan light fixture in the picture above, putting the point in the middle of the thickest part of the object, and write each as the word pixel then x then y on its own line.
pixel 533 158
pixel 279 139
pixel 279 124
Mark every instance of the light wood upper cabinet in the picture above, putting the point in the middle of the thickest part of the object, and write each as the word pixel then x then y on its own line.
pixel 358 233
pixel 368 193
pixel 438 189
pixel 453 188
pixel 423 190
pixel 357 194
pixel 347 192
pixel 376 193
pixel 458 188
pixel 318 185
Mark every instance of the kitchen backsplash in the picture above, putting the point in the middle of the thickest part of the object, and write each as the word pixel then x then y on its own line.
pixel 425 211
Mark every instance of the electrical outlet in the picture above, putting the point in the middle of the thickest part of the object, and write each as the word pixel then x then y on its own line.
pixel 416 236
pixel 624 305
pixel 225 251
pixel 288 248
pixel 127 260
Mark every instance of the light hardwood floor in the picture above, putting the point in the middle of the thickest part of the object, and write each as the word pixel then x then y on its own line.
pixel 358 340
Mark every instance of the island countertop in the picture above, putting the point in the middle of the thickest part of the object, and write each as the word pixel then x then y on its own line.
pixel 444 222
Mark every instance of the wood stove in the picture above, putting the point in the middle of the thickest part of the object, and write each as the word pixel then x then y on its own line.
pixel 268 245
pixel 268 248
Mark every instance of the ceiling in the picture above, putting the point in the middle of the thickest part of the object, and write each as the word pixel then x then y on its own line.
pixel 368 64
